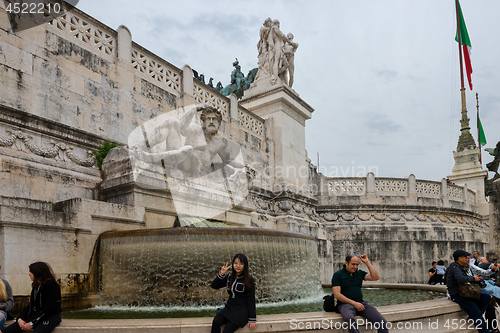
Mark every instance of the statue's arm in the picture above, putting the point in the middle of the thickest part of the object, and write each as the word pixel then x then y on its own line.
pixel 188 116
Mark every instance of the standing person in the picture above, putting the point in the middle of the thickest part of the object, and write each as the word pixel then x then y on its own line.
pixel 441 270
pixel 240 307
pixel 475 258
pixel 460 272
pixel 346 286
pixel 433 279
pixel 6 301
pixel 43 312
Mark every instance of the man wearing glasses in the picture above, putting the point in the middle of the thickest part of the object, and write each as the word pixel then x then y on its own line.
pixel 346 286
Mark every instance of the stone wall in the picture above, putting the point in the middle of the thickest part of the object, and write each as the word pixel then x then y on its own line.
pixel 67 86
pixel 495 217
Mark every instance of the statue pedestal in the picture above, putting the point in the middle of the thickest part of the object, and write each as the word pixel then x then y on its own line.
pixel 287 113
pixel 468 170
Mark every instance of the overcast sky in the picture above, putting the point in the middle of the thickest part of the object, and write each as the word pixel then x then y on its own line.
pixel 382 76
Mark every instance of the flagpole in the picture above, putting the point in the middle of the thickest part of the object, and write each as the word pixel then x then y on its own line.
pixel 478 130
pixel 462 87
pixel 465 141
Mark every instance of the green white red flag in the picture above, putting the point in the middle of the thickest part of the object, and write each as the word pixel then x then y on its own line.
pixel 466 45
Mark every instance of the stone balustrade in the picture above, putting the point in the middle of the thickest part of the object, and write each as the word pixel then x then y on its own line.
pixel 149 65
pixel 410 191
pixel 86 31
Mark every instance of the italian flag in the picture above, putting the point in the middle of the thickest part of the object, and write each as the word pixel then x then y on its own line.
pixel 466 45
pixel 480 132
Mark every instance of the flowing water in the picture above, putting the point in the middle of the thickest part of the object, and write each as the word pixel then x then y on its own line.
pixel 375 296
pixel 174 267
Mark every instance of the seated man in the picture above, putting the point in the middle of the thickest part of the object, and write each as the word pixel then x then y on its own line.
pixel 346 286
pixel 460 272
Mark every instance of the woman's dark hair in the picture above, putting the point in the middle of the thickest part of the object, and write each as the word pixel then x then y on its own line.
pixel 434 262
pixel 441 263
pixel 41 272
pixel 245 273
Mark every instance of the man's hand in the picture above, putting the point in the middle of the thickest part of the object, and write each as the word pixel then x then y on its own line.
pixel 364 258
pixel 478 278
pixel 252 326
pixel 359 306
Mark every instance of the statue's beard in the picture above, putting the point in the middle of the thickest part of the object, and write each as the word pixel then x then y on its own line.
pixel 211 130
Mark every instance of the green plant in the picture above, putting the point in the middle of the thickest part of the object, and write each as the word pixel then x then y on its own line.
pixel 101 152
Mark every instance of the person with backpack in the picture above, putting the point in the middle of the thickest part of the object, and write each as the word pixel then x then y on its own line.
pixel 460 272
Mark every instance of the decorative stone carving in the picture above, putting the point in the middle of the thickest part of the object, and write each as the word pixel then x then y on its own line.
pixel 86 32
pixel 251 122
pixel 276 53
pixel 455 192
pixel 391 186
pixel 208 96
pixel 380 216
pixel 408 217
pixel 159 71
pixel 365 216
pixel 347 187
pixel 471 196
pixel 58 150
pixel 347 216
pixel 330 216
pixel 426 189
pixel 421 217
pixel 394 217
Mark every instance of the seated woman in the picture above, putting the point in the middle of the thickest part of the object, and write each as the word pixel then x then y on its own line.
pixel 433 279
pixel 43 312
pixel 240 307
pixel 6 301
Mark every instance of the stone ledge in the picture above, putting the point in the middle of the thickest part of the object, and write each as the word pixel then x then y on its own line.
pixel 438 310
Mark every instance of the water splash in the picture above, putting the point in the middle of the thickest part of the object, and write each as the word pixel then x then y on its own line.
pixel 175 267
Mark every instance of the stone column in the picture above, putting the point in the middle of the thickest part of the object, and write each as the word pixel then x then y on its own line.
pixel 412 190
pixel 494 218
pixel 187 80
pixel 444 192
pixel 468 170
pixel 289 113
pixel 233 107
pixel 124 44
pixel 370 186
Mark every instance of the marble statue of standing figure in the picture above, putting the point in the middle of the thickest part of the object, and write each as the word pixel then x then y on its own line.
pixel 287 61
pixel 263 48
pixel 276 41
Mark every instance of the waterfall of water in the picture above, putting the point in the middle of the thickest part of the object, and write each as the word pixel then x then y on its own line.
pixel 175 267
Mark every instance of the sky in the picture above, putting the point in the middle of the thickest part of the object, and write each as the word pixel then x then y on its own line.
pixel 383 76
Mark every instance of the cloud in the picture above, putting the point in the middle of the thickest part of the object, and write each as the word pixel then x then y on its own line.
pixel 387 74
pixel 381 124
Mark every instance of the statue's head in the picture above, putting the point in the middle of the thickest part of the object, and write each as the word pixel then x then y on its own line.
pixel 276 23
pixel 211 119
pixel 268 22
pixel 290 36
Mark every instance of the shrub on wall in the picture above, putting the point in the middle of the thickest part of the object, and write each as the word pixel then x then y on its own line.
pixel 103 150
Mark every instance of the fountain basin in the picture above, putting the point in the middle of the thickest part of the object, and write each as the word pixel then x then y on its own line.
pixel 416 317
pixel 175 267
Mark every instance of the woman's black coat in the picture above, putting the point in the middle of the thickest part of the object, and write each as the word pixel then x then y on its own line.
pixel 240 307
pixel 45 304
